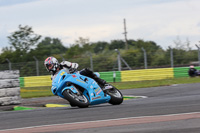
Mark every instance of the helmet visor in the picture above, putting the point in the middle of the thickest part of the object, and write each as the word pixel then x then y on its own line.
pixel 49 66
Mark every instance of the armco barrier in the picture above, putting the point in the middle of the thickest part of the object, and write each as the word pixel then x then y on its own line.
pixel 9 87
pixel 147 74
pixel 36 81
pixel 182 71
pixel 108 76
pixel 123 76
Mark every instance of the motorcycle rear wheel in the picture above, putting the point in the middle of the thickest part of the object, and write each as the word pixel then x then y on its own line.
pixel 116 96
pixel 76 100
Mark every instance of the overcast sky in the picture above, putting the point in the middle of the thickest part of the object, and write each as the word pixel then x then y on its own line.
pixel 161 21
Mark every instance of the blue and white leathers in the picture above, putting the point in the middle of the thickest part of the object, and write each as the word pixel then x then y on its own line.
pixel 91 90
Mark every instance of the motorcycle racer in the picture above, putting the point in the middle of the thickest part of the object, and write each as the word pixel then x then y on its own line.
pixel 192 72
pixel 52 65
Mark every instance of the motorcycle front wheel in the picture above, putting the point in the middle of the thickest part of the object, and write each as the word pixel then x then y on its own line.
pixel 76 100
pixel 116 96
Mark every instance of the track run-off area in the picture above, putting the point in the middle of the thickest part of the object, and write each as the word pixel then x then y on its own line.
pixel 167 109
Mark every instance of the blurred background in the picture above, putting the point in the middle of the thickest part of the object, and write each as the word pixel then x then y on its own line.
pixel 102 35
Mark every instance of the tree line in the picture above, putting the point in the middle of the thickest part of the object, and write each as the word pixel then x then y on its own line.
pixel 24 44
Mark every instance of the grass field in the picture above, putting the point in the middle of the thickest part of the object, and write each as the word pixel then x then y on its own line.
pixel 46 91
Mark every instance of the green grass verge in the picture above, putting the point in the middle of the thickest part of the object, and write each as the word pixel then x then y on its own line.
pixel 46 91
pixel 16 108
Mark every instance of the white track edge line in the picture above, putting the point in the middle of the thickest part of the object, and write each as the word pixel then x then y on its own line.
pixel 99 121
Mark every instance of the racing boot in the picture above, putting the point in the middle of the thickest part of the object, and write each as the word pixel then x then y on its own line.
pixel 103 84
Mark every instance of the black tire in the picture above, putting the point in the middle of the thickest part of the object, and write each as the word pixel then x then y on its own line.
pixel 75 100
pixel 116 96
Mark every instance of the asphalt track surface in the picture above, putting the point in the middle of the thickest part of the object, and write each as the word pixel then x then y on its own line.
pixel 168 109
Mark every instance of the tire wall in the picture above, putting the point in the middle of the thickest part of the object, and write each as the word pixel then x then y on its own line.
pixel 9 87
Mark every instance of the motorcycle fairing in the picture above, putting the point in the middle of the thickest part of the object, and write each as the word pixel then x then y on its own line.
pixel 92 90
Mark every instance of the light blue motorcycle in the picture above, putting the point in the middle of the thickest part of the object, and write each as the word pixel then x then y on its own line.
pixel 83 91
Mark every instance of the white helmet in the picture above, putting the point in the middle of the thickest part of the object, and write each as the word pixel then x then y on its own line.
pixel 51 64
